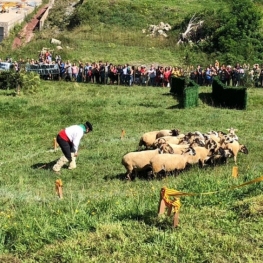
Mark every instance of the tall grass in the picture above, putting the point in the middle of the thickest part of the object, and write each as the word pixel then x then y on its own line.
pixel 104 218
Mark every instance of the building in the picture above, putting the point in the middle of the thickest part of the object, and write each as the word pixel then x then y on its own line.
pixel 13 13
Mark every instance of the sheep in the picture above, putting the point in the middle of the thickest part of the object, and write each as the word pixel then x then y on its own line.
pixel 181 148
pixel 135 161
pixel 167 139
pixel 148 139
pixel 163 133
pixel 219 157
pixel 232 130
pixel 202 153
pixel 170 162
pixel 177 149
pixel 192 136
pixel 232 133
pixel 234 146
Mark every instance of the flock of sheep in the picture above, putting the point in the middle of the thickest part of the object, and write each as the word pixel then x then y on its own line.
pixel 168 151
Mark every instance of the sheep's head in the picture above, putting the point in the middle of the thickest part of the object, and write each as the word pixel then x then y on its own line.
pixel 159 142
pixel 199 134
pixel 211 145
pixel 175 132
pixel 243 149
pixel 197 142
pixel 213 132
pixel 232 130
pixel 190 151
pixel 166 148
pixel 229 139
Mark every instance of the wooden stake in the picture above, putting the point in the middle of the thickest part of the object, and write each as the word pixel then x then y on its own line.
pixel 55 144
pixel 162 207
pixel 176 219
pixel 235 171
pixel 59 185
pixel 122 133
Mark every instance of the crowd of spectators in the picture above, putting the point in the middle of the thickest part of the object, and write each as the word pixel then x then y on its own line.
pixel 156 76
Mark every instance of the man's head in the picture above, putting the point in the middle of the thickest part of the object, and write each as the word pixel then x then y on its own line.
pixel 88 126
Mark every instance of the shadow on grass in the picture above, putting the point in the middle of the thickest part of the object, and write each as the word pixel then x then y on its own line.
pixel 206 98
pixel 150 218
pixel 44 166
pixel 176 106
pixel 143 175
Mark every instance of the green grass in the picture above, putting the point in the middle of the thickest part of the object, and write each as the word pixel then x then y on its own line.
pixel 103 218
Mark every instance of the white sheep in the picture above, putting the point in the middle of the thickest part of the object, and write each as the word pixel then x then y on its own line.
pixel 137 161
pixel 170 162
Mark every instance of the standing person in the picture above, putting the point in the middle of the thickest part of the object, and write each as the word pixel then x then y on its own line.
pixel 74 69
pixel 68 140
pixel 199 75
pixel 152 76
pixel 208 77
pixel 68 71
pixel 62 71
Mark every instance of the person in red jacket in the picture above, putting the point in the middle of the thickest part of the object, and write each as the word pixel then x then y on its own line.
pixel 68 140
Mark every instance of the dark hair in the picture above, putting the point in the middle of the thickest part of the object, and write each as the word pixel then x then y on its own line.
pixel 88 125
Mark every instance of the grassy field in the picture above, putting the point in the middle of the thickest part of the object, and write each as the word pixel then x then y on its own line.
pixel 103 218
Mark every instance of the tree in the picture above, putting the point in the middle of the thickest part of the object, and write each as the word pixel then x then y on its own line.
pixel 237 29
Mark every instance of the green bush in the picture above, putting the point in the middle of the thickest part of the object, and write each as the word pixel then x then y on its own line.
pixel 29 82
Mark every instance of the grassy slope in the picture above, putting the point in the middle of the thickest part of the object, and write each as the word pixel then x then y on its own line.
pixel 113 32
pixel 103 218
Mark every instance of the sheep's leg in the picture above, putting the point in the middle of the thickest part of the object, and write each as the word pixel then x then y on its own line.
pixel 201 163
pixel 128 176
pixel 235 159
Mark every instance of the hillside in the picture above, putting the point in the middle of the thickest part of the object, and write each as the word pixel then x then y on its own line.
pixel 112 31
